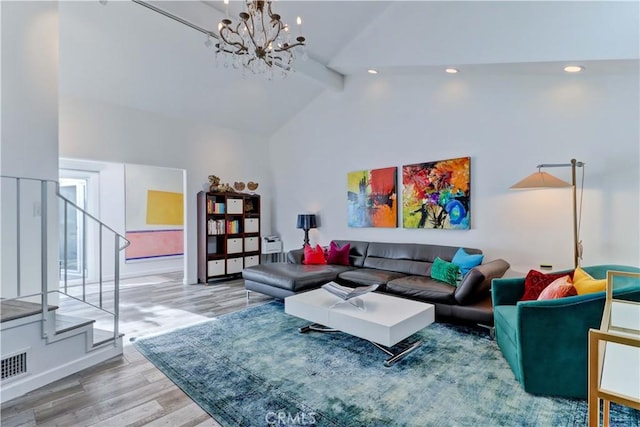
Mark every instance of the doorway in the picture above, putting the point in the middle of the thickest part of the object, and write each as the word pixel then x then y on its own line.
pixel 76 260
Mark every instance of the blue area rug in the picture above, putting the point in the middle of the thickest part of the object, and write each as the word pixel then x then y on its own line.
pixel 252 368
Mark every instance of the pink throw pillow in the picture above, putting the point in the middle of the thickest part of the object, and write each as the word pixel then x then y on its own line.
pixel 338 255
pixel 313 256
pixel 536 281
pixel 559 288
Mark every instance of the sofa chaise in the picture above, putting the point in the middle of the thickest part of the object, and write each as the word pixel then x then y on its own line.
pixel 401 269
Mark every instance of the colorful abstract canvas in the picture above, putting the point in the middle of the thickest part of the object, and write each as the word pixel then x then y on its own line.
pixel 371 196
pixel 437 194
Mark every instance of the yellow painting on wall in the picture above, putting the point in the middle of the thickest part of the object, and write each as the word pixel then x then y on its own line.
pixel 165 208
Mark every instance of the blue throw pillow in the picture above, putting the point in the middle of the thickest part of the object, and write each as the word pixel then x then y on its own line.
pixel 466 261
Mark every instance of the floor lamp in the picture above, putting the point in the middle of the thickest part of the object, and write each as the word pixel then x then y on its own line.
pixel 544 180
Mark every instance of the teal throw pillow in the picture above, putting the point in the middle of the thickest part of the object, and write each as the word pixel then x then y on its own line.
pixel 466 261
pixel 445 271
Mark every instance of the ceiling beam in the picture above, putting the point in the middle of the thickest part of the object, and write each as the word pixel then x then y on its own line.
pixel 320 73
pixel 309 67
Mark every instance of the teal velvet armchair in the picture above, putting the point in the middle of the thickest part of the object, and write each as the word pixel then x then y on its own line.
pixel 546 342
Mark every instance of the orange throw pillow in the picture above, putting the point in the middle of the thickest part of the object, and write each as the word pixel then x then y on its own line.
pixel 313 256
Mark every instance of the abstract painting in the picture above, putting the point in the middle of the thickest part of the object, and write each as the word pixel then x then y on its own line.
pixel 154 213
pixel 437 194
pixel 371 198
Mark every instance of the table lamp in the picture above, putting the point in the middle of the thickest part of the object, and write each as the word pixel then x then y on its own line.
pixel 306 222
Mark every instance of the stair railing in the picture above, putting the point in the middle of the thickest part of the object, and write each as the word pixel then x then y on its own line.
pixel 120 242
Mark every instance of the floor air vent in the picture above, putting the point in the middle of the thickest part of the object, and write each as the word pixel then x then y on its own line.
pixel 14 365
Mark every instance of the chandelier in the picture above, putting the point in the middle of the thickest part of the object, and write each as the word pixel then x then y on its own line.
pixel 259 41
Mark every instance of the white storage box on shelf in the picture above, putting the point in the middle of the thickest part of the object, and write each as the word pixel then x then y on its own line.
pixel 216 267
pixel 234 246
pixel 251 260
pixel 234 265
pixel 251 225
pixel 251 244
pixel 234 206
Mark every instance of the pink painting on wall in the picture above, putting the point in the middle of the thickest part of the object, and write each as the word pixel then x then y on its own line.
pixel 153 244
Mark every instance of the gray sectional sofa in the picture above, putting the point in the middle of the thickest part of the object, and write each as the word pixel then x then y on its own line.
pixel 401 269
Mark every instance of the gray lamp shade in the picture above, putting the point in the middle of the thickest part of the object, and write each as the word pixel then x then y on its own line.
pixel 306 221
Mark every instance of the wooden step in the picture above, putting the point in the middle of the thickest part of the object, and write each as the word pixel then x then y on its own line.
pixel 65 323
pixel 16 309
pixel 102 336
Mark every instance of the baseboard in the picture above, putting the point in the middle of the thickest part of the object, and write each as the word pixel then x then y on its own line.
pixel 152 272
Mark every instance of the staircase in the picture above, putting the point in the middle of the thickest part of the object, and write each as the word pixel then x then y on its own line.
pixel 51 325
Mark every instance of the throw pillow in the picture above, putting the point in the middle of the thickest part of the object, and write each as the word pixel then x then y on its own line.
pixel 338 255
pixel 466 261
pixel 535 282
pixel 445 271
pixel 313 256
pixel 559 288
pixel 585 284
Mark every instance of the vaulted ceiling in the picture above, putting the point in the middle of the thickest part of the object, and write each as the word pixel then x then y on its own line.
pixel 124 53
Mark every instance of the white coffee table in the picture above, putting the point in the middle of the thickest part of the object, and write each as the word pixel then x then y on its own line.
pixel 385 322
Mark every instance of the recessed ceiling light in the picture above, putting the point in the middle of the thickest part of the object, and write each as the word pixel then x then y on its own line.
pixel 451 70
pixel 372 71
pixel 573 68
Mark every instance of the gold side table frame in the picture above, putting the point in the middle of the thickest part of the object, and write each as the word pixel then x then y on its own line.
pixel 620 327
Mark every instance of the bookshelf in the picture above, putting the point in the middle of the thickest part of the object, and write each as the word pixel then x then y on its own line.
pixel 228 234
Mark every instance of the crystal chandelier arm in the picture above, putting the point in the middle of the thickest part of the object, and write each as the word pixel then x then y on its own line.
pixel 266 39
pixel 241 48
pixel 277 24
pixel 251 30
pixel 276 58
pixel 275 18
pixel 289 46
pixel 234 52
pixel 286 46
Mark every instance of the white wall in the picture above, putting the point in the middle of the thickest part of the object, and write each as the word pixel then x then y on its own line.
pixel 29 138
pixel 96 131
pixel 30 89
pixel 110 209
pixel 507 124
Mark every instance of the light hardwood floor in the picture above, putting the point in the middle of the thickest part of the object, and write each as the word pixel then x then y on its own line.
pixel 129 390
